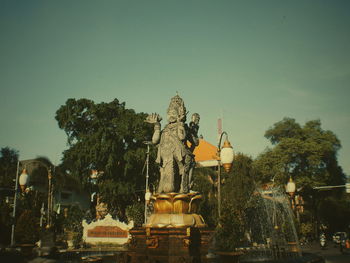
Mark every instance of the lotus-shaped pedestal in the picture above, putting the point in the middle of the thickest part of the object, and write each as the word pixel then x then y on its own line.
pixel 176 210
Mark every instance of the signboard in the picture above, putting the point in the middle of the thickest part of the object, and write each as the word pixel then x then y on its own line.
pixel 107 231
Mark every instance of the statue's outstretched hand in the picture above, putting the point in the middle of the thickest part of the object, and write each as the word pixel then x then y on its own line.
pixel 153 118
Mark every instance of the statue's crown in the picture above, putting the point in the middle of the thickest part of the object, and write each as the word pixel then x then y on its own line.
pixel 177 104
pixel 177 100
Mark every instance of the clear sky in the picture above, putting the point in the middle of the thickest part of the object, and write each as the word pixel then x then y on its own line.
pixel 252 62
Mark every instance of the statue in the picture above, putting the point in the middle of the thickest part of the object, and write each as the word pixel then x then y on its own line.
pixel 192 138
pixel 174 155
pixel 174 231
pixel 101 209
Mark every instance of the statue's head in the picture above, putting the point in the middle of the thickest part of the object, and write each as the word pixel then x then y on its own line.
pixel 195 118
pixel 176 110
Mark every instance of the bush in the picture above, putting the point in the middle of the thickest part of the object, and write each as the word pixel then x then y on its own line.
pixel 5 223
pixel 27 228
pixel 229 234
pixel 73 223
pixel 136 212
pixel 203 184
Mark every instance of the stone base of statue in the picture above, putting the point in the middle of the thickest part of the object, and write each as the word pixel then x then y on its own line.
pixel 174 233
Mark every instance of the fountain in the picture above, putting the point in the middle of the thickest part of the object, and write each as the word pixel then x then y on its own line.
pixel 270 228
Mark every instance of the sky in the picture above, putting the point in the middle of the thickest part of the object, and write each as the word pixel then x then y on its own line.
pixel 251 63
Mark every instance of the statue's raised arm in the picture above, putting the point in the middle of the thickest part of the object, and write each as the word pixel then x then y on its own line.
pixel 155 119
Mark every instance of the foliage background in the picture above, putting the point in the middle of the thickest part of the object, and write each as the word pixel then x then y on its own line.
pixel 109 138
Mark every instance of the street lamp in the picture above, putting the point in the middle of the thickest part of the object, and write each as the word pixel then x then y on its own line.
pixel 49 197
pixel 22 180
pixel 225 157
pixel 290 187
pixel 296 201
pixel 14 208
pixel 147 192
pixel 290 190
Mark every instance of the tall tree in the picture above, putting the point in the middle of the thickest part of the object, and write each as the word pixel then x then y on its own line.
pixel 237 190
pixel 204 178
pixel 106 137
pixel 307 153
pixel 8 164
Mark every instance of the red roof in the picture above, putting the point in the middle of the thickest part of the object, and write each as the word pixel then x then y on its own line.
pixel 205 151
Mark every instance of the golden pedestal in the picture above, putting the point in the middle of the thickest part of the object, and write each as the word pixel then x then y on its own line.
pixel 174 233
pixel 175 210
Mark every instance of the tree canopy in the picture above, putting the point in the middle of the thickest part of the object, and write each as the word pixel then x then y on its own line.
pixel 307 153
pixel 8 164
pixel 109 138
pixel 237 190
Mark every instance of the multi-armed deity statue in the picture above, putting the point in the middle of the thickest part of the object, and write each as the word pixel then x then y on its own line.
pixel 176 143
pixel 175 231
pixel 175 205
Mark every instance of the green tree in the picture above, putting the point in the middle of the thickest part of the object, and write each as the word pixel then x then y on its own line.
pixel 73 224
pixel 237 189
pixel 307 153
pixel 28 215
pixel 338 220
pixel 8 166
pixel 27 228
pixel 204 179
pixel 107 137
pixel 136 213
pixel 5 222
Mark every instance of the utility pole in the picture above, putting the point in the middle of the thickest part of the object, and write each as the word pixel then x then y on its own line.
pixel 14 209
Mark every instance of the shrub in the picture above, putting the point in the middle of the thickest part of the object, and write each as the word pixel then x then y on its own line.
pixel 27 228
pixel 136 212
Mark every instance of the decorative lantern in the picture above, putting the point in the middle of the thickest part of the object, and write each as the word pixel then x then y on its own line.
pixel 65 212
pixel 148 195
pixel 226 156
pixel 290 187
pixel 23 180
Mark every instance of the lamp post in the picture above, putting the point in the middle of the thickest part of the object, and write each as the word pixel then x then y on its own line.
pixel 49 198
pixel 225 158
pixel 14 209
pixel 291 189
pixel 23 180
pixel 147 192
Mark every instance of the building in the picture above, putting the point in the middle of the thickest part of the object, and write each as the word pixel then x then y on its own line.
pixel 206 154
